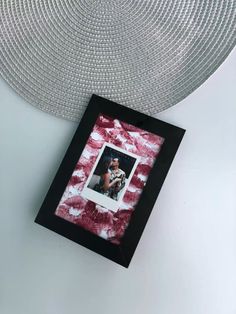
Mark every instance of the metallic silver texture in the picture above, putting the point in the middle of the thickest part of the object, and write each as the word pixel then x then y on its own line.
pixel 145 54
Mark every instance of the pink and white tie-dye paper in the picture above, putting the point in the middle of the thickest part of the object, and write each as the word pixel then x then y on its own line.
pixel 89 215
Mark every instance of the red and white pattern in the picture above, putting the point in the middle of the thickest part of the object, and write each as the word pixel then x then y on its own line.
pixel 89 215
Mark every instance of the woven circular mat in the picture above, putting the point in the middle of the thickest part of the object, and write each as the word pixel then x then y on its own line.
pixel 145 54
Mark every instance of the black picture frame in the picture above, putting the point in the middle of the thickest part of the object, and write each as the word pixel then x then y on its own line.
pixel 123 253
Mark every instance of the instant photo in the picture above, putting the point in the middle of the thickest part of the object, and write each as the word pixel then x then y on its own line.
pixel 110 176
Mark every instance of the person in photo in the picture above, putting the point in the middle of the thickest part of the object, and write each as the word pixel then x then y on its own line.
pixel 117 175
pixel 107 181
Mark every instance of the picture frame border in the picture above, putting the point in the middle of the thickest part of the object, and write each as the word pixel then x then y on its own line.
pixel 122 253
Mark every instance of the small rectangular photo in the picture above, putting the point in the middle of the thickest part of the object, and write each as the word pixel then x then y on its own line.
pixel 110 176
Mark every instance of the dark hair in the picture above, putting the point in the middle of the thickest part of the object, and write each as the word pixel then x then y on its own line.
pixel 105 163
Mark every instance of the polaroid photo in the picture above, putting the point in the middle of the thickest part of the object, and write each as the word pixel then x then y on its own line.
pixel 110 176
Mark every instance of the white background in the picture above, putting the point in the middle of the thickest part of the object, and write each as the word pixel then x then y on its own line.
pixel 185 262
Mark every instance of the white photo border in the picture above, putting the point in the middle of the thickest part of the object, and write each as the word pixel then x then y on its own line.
pixel 99 198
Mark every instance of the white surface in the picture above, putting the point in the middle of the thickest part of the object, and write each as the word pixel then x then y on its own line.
pixel 185 262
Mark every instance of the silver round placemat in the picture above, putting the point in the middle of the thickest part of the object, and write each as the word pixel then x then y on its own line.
pixel 146 54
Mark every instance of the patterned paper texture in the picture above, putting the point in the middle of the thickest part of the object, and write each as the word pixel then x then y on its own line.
pixel 91 216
